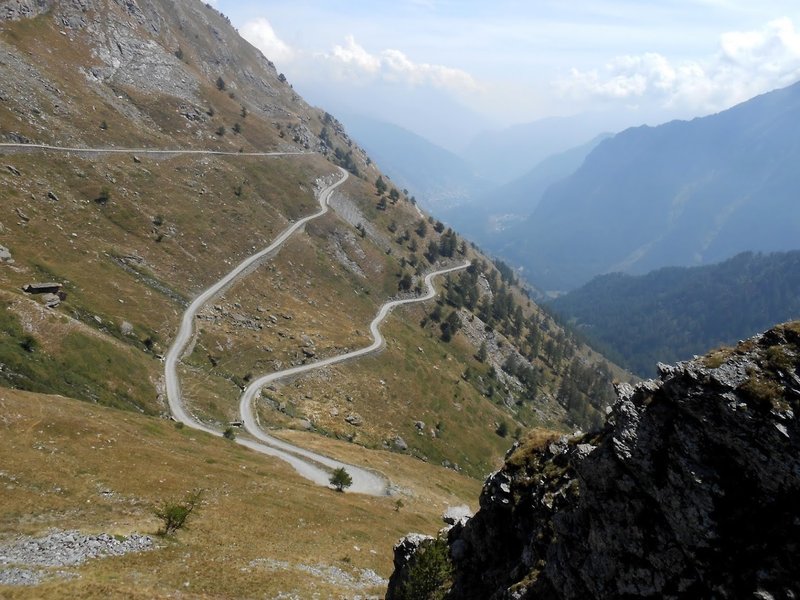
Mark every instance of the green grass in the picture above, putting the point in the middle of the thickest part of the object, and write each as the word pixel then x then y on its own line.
pixel 83 367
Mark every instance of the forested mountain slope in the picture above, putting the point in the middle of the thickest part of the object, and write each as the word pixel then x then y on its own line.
pixel 674 313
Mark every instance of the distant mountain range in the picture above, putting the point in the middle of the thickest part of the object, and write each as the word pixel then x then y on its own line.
pixel 508 154
pixel 488 215
pixel 437 178
pixel 684 193
pixel 674 313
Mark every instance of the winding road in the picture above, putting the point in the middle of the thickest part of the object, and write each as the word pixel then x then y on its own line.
pixel 186 330
pixel 364 481
pixel 311 465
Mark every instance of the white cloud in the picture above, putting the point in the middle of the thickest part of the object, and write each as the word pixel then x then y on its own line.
pixel 353 55
pixel 261 34
pixel 352 60
pixel 746 64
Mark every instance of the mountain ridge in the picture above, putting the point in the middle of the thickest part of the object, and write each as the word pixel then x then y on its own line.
pixel 680 194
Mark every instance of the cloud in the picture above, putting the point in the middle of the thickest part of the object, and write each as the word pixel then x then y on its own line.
pixel 353 61
pixel 747 63
pixel 261 34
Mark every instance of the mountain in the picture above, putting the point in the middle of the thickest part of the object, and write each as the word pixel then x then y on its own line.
pixel 430 113
pixel 508 154
pixel 149 154
pixel 687 492
pixel 682 194
pixel 674 313
pixel 436 177
pixel 486 216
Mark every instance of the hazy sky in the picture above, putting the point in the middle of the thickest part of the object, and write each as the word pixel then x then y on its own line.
pixel 517 61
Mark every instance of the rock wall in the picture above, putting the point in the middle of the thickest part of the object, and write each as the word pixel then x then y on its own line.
pixel 690 491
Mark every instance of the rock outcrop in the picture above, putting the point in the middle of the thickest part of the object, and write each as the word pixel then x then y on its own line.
pixel 689 491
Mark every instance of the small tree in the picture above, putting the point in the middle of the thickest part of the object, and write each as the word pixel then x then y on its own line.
pixel 429 573
pixel 175 514
pixel 220 84
pixel 483 352
pixel 229 433
pixel 341 479
pixel 405 282
pixel 380 185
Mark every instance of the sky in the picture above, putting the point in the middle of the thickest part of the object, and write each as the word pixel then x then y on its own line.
pixel 510 61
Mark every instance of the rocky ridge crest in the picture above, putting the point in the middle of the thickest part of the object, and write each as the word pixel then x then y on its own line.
pixel 688 491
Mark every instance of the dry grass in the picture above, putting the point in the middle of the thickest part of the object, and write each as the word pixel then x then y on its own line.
pixel 100 470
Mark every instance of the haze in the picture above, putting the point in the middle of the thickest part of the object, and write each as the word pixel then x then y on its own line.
pixel 447 70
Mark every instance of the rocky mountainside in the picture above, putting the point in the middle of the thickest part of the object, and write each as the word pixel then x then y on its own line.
pixel 689 491
pixel 685 193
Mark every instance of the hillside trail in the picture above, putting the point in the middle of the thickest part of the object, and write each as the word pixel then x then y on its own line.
pixel 311 465
pixel 364 481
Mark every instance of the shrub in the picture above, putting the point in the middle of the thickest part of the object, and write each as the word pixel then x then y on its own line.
pixel 502 429
pixel 175 514
pixel 29 343
pixel 229 433
pixel 104 196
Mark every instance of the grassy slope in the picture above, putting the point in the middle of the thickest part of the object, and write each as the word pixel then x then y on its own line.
pixel 172 226
pixel 99 470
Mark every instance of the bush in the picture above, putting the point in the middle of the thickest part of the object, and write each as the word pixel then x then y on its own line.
pixel 104 196
pixel 175 514
pixel 29 343
pixel 229 433
pixel 502 429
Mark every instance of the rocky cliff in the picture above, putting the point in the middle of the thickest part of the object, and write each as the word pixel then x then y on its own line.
pixel 689 491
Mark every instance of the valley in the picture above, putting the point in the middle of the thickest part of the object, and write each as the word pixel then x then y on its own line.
pixel 247 348
pixel 223 253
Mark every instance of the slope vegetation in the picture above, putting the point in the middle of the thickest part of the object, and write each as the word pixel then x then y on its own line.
pixel 674 313
pixel 132 238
